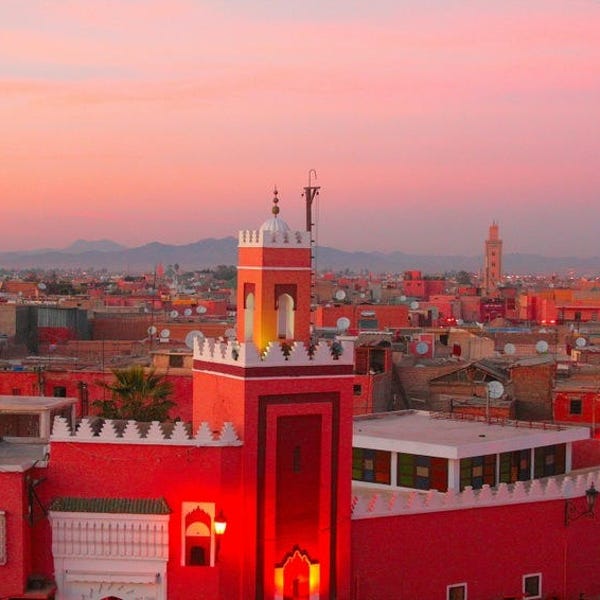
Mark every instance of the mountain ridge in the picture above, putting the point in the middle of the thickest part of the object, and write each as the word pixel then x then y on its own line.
pixel 211 252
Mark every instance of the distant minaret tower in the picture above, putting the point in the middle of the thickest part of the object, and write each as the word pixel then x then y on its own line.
pixel 492 267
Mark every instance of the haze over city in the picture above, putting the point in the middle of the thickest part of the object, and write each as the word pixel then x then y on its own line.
pixel 173 120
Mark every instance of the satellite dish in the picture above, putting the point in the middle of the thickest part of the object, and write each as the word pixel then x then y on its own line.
pixel 509 348
pixel 363 295
pixel 403 298
pixel 340 295
pixel 41 285
pixel 201 310
pixel 495 389
pixel 343 323
pixel 165 333
pixel 151 330
pixel 191 336
pixel 187 312
pixel 414 305
pixel 422 348
pixel 541 347
pixel 230 333
pixel 580 342
pixel 173 314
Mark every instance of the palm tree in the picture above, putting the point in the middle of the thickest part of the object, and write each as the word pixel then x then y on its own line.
pixel 137 395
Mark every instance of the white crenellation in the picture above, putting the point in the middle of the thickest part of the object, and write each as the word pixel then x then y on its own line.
pixel 382 503
pixel 204 436
pixel 273 239
pixel 85 431
pixel 131 434
pixel 245 354
pixel 108 431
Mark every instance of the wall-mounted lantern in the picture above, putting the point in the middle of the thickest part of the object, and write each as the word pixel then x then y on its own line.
pixel 220 525
pixel 572 512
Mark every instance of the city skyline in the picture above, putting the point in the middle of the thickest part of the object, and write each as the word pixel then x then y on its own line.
pixel 172 122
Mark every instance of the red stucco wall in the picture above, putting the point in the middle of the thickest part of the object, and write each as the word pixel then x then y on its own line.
pixel 490 549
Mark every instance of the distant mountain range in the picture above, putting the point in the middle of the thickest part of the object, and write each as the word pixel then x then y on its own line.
pixel 207 253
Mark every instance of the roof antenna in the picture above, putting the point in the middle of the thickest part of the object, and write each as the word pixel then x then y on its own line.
pixel 310 191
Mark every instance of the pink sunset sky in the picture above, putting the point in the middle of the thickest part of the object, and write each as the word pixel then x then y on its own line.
pixel 426 120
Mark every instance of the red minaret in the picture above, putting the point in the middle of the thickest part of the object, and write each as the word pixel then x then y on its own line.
pixel 492 267
pixel 292 406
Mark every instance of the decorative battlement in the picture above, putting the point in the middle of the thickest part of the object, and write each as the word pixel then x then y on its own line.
pixel 245 354
pixel 106 431
pixel 367 504
pixel 273 239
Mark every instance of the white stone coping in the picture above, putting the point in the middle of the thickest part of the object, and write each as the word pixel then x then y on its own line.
pixel 245 354
pixel 367 503
pixel 273 239
pixel 155 435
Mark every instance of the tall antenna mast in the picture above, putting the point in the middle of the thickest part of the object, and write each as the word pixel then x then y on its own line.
pixel 310 192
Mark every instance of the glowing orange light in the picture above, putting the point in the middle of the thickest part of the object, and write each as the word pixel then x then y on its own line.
pixel 220 523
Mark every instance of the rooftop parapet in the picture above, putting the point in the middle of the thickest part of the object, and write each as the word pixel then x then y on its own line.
pixel 368 504
pixel 106 431
pixel 273 239
pixel 245 354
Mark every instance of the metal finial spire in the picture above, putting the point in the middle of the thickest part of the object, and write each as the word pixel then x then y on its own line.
pixel 275 209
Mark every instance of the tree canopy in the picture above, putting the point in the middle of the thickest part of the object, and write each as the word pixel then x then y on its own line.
pixel 136 394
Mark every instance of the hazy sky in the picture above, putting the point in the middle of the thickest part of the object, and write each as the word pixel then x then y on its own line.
pixel 172 120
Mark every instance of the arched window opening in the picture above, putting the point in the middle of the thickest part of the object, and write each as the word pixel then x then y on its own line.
pixel 249 317
pixel 285 317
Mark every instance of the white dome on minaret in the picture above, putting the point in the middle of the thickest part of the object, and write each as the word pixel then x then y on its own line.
pixel 275 224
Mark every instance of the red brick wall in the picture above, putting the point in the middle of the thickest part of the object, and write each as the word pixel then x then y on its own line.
pixel 533 391
pixel 415 380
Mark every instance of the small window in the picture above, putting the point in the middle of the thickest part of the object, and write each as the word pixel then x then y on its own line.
pixel 532 586
pixel 297 460
pixel 457 591
pixel 575 407
pixel 59 391
pixel 357 389
pixel 176 360
pixel 16 391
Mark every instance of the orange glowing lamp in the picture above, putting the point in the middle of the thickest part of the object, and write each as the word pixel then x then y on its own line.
pixel 220 524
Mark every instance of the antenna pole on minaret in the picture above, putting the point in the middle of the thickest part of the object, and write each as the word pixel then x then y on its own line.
pixel 310 191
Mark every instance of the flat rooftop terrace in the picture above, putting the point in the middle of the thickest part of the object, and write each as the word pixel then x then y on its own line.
pixel 452 436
